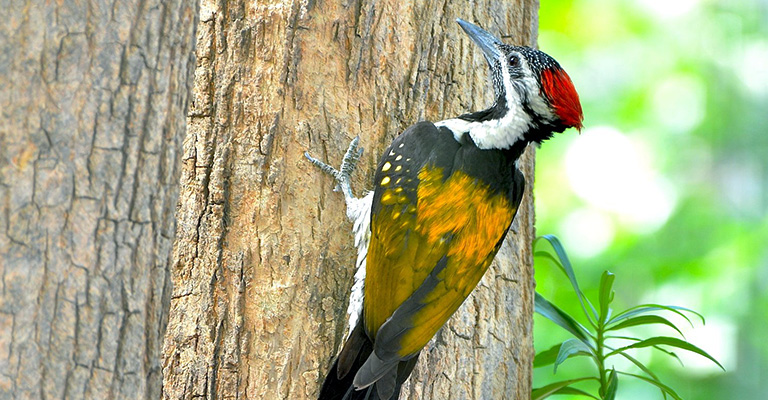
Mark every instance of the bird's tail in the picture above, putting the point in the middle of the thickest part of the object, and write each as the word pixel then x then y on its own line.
pixel 338 384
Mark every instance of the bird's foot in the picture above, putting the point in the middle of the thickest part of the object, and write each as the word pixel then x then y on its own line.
pixel 348 164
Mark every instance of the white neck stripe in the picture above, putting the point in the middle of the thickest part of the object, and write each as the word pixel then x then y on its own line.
pixel 503 133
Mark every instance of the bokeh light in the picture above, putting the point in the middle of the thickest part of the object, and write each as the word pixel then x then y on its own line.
pixel 610 172
pixel 667 185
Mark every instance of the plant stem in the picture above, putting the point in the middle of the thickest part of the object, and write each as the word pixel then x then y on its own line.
pixel 601 357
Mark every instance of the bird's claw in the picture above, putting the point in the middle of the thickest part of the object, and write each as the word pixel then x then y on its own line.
pixel 348 164
pixel 351 157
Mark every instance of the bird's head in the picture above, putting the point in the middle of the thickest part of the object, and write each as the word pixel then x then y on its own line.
pixel 534 95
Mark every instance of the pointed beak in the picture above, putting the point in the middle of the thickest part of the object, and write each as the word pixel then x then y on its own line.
pixel 487 42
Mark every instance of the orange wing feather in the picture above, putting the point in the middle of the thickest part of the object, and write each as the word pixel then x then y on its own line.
pixel 459 218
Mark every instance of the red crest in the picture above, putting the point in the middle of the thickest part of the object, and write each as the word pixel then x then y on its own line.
pixel 558 88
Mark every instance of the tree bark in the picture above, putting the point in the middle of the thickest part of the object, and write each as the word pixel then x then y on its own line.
pixel 263 258
pixel 93 99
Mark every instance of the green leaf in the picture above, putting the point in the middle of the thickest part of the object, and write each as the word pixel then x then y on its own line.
pixel 553 388
pixel 634 339
pixel 644 320
pixel 565 265
pixel 574 391
pixel 546 357
pixel 550 355
pixel 667 341
pixel 571 348
pixel 613 385
pixel 671 354
pixel 664 388
pixel 645 308
pixel 606 295
pixel 642 368
pixel 561 318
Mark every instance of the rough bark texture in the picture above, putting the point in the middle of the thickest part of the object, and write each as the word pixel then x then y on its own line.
pixel 93 99
pixel 263 257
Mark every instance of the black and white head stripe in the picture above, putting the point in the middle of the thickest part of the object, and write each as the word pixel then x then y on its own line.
pixel 523 110
pixel 519 107
pixel 538 61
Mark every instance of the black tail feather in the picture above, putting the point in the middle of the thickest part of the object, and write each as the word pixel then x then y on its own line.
pixel 338 383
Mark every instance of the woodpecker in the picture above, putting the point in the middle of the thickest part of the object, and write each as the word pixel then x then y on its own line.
pixel 445 195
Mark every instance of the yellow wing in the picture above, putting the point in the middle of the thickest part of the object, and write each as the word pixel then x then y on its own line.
pixel 425 258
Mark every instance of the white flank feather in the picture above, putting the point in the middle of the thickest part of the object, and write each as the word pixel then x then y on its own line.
pixel 359 212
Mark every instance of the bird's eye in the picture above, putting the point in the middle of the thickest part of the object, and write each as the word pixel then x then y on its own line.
pixel 514 60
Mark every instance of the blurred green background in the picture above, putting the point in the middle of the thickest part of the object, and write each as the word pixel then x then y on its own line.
pixel 667 185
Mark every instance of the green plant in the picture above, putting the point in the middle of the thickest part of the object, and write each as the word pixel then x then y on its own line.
pixel 600 342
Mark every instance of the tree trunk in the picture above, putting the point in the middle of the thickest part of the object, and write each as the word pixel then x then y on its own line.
pixel 93 98
pixel 263 258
